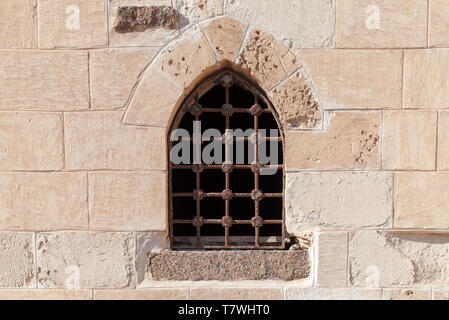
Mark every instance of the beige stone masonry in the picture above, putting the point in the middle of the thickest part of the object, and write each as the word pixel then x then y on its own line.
pixel 17 260
pixel 18 24
pixel 105 260
pixel 421 200
pixel 72 24
pixel 271 293
pixel 406 294
pixel 43 201
pixel 148 242
pixel 113 74
pixel 292 293
pixel 355 79
pixel 147 294
pixel 438 23
pixel 350 142
pixel 409 140
pixel 127 201
pixel 332 259
pixel 44 80
pixel 193 11
pixel 338 200
pixel 43 294
pixel 98 141
pixel 443 141
pixel 381 24
pixel 31 141
pixel 440 294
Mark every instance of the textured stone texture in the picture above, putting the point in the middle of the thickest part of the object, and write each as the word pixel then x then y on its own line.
pixel 127 201
pixel 440 294
pixel 312 24
pixel 409 140
pixel 406 294
pixel 132 19
pixel 31 141
pixel 113 73
pixel 18 24
pixel 332 259
pixel 106 260
pixel 402 23
pixel 57 28
pixel 443 141
pixel 43 201
pixel 438 23
pixel 192 11
pixel 266 59
pixel 17 261
pixel 355 79
pixel 99 141
pixel 426 79
pixel 331 294
pixel 226 36
pixel 401 259
pixel 236 294
pixel 44 80
pixel 149 242
pixel 147 294
pixel 338 200
pixel 43 294
pixel 230 265
pixel 421 200
pixel 350 142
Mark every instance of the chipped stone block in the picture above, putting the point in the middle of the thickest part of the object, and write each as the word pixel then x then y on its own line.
pixel 102 260
pixel 292 293
pixel 406 294
pixel 18 20
pixel 332 259
pixel 17 260
pixel 350 142
pixel 131 19
pixel 147 243
pixel 146 294
pixel 229 294
pixel 192 11
pixel 43 294
pixel 338 200
pixel 443 141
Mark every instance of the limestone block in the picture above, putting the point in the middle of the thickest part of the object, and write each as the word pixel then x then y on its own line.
pixel 192 11
pixel 443 141
pixel 338 200
pixel 438 23
pixel 147 294
pixel 43 294
pixel 292 293
pixel 332 259
pixel 409 140
pixel 17 260
pixel 102 260
pixel 43 201
pixel 406 294
pixel 440 294
pixel 18 24
pixel 236 294
pixel 31 141
pixel 350 142
pixel 148 242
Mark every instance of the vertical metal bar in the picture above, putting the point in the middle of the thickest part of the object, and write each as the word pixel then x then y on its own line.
pixel 256 173
pixel 198 187
pixel 227 174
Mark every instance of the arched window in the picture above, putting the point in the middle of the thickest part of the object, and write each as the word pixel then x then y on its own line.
pixel 226 178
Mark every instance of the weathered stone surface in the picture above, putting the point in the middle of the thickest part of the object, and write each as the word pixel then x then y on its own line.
pixel 45 294
pixel 226 36
pixel 31 141
pixel 43 201
pixel 72 24
pixel 192 11
pixel 186 58
pixel 236 294
pixel 351 141
pixel 230 265
pixel 154 101
pixel 399 259
pixel 438 23
pixel 149 242
pixel 336 200
pixel 409 140
pixel 313 24
pixel 105 260
pixel 114 72
pixel 440 294
pixel 421 200
pixel 295 102
pixel 381 24
pixel 17 261
pixel 266 59
pixel 147 294
pixel 332 259
pixel 131 19
pixel 443 141
pixel 98 140
pixel 406 294
pixel 331 294
pixel 18 24
pixel 426 79
pixel 127 201
pixel 44 80
pixel 355 79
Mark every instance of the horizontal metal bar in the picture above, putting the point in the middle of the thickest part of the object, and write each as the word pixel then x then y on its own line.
pixel 220 195
pixel 219 221
pixel 219 167
pixel 235 110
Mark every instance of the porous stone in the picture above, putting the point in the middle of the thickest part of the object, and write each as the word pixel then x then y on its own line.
pixel 266 59
pixel 127 201
pixel 104 260
pixel 192 11
pixel 332 259
pixel 350 142
pixel 44 80
pixel 438 23
pixel 236 294
pixel 443 141
pixel 45 294
pixel 230 265
pixel 406 294
pixel 72 24
pixel 99 141
pixel 409 140
pixel 17 261
pixel 131 19
pixel 146 294
pixel 148 242
pixel 43 201
pixel 338 200
pixel 421 200
pixel 18 24
pixel 295 103
pixel 31 141
pixel 292 293
pixel 313 25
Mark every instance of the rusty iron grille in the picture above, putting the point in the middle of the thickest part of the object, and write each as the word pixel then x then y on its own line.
pixel 227 205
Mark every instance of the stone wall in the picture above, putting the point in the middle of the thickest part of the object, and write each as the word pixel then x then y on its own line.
pixel 362 91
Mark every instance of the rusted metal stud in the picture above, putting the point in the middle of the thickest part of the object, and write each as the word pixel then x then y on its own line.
pixel 196 110
pixel 227 80
pixel 257 222
pixel 227 110
pixel 198 221
pixel 198 194
pixel 257 195
pixel 226 167
pixel 197 168
pixel 255 167
pixel 227 194
pixel 227 222
pixel 256 110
